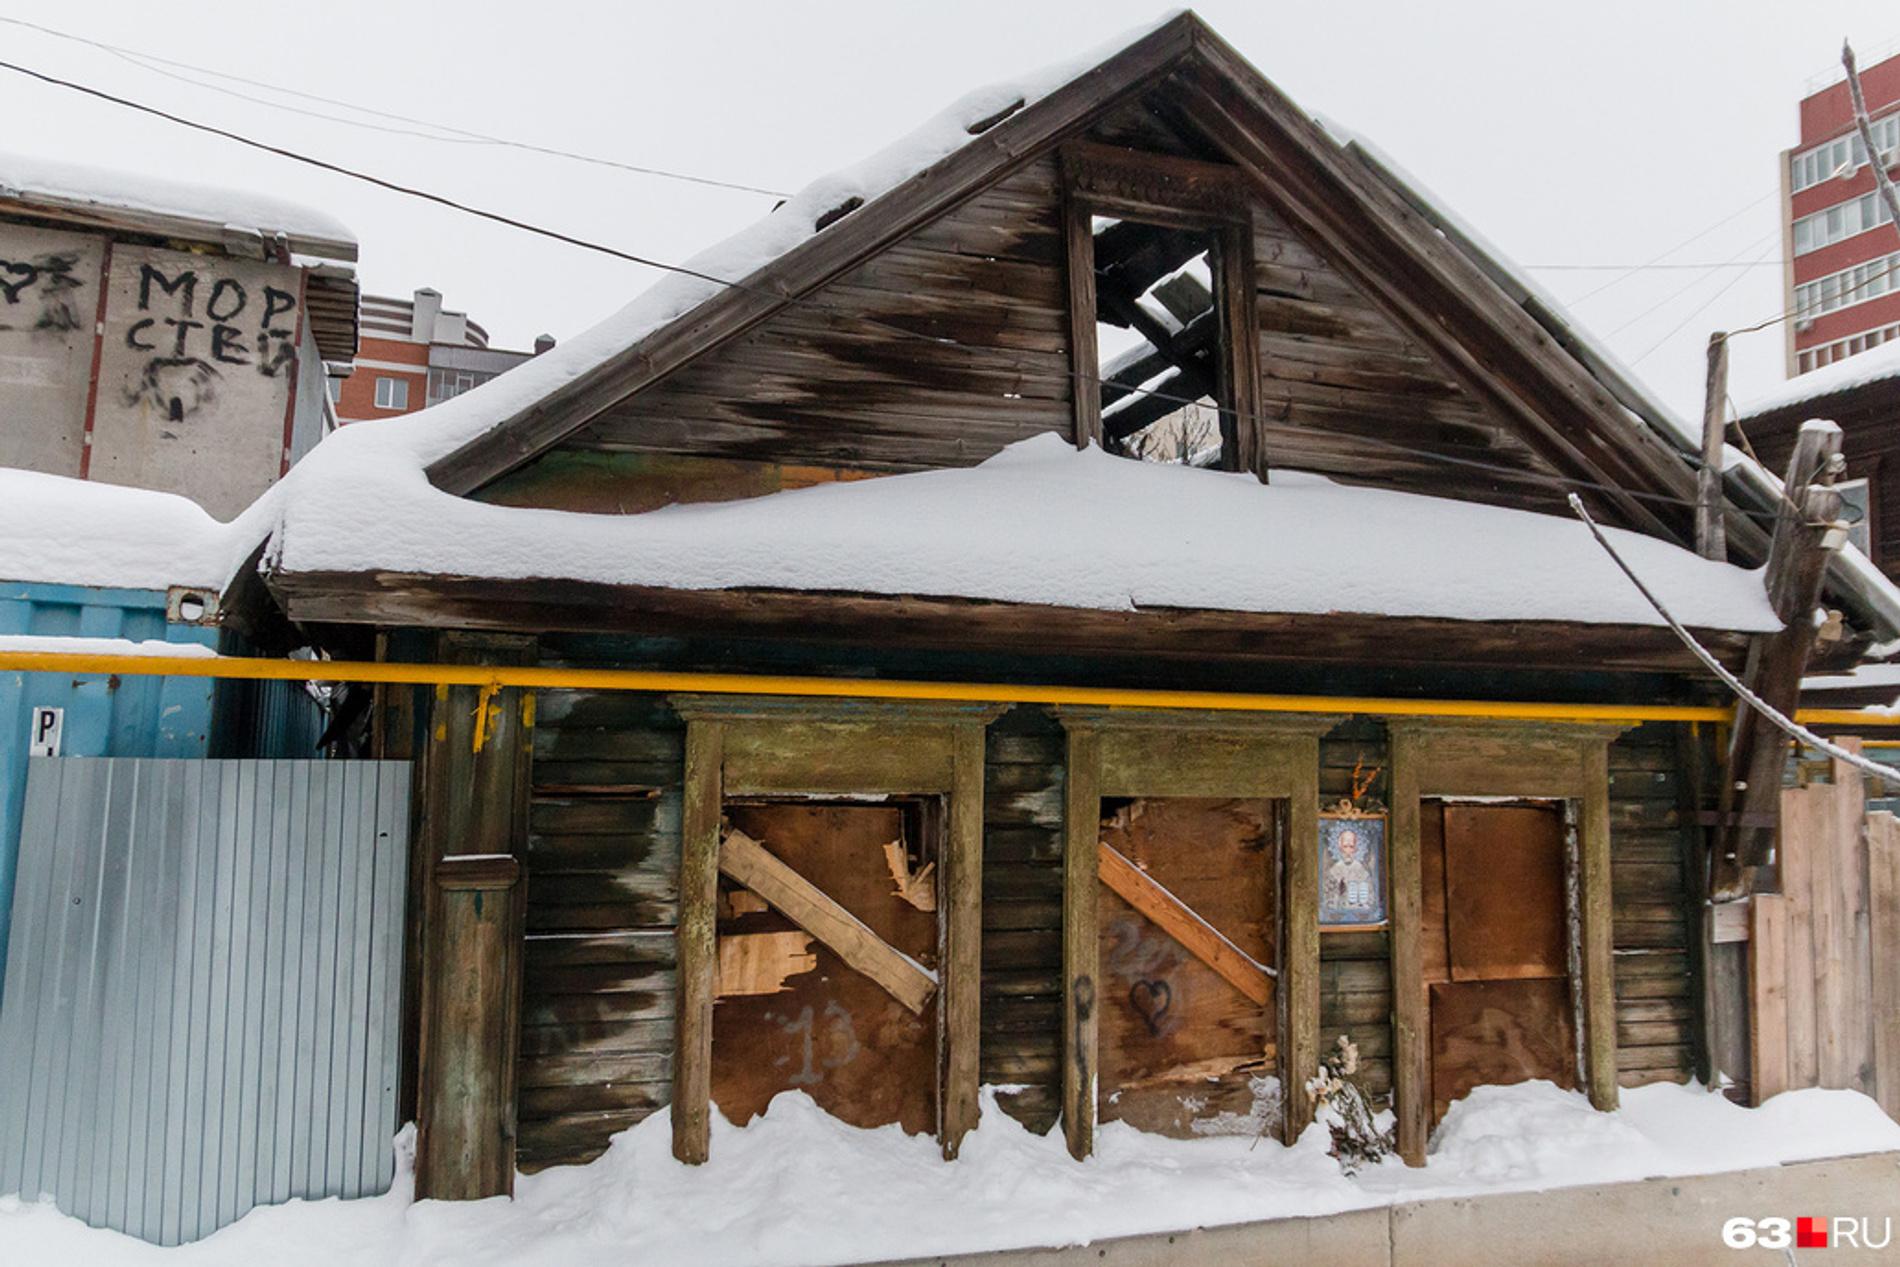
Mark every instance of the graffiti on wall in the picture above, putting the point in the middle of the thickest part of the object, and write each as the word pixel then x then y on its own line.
pixel 37 294
pixel 194 330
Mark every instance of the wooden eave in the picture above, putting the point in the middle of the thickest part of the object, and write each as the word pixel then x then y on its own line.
pixel 1486 340
pixel 542 605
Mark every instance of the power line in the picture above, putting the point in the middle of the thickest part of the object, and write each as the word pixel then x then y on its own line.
pixel 1699 308
pixel 1674 295
pixel 1515 472
pixel 1691 240
pixel 442 132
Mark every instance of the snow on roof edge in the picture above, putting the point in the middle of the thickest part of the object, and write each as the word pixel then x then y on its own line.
pixel 1872 366
pixel 32 178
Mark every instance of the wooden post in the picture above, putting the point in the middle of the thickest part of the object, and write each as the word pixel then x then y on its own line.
pixel 1299 975
pixel 1599 959
pixel 1081 845
pixel 698 949
pixel 1411 1053
pixel 1805 535
pixel 1085 367
pixel 963 938
pixel 1711 534
pixel 474 819
pixel 465 1142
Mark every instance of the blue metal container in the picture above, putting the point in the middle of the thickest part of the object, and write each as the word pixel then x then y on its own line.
pixel 106 715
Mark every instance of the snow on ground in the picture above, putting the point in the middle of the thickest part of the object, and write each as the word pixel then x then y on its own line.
pixel 797 1186
pixel 81 532
pixel 24 176
pixel 1043 523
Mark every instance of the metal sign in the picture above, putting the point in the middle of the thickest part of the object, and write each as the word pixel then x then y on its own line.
pixel 43 736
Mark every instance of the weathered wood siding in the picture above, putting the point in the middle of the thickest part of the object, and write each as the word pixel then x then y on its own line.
pixel 603 898
pixel 838 379
pixel 1022 913
pixel 1651 858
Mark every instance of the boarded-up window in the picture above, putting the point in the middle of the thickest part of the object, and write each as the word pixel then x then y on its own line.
pixel 790 1015
pixel 1184 1049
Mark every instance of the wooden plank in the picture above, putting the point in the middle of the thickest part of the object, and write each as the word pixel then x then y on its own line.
pixel 1082 827
pixel 1593 881
pixel 1411 1053
pixel 1205 942
pixel 1495 1033
pixel 1768 996
pixel 698 956
pixel 1883 907
pixel 805 904
pixel 1084 352
pixel 962 902
pixel 1804 815
pixel 1504 892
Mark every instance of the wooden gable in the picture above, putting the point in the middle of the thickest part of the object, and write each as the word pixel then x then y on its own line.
pixel 956 341
pixel 931 327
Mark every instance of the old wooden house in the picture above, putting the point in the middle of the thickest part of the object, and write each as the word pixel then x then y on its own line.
pixel 1084 602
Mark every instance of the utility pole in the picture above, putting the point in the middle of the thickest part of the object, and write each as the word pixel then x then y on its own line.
pixel 1711 534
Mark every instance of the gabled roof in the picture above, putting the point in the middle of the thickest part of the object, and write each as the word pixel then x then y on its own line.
pixel 1504 342
pixel 1432 290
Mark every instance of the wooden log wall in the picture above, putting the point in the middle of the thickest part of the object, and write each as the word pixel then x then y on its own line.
pixel 603 898
pixel 603 858
pixel 1652 858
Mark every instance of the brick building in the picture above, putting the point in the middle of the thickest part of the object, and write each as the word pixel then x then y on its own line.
pixel 414 353
pixel 1842 255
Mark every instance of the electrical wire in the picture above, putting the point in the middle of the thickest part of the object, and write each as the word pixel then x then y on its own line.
pixel 1557 481
pixel 1695 312
pixel 1678 293
pixel 1773 716
pixel 441 132
pixel 1691 240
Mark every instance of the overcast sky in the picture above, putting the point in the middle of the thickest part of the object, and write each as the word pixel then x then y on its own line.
pixel 1570 134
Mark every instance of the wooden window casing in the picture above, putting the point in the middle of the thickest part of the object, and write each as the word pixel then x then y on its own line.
pixel 1158 189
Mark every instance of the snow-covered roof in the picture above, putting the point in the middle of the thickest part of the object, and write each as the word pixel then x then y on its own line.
pixel 1044 523
pixel 1871 366
pixel 78 532
pixel 113 195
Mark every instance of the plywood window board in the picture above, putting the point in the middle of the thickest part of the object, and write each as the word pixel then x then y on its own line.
pixel 1504 892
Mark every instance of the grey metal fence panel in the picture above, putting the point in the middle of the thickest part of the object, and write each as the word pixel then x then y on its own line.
pixel 203 984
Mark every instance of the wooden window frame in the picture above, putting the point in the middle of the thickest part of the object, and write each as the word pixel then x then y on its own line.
pixel 1142 753
pixel 764 747
pixel 1177 193
pixel 1450 758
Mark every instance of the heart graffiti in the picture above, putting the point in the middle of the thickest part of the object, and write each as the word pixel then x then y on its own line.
pixel 16 279
pixel 1151 1000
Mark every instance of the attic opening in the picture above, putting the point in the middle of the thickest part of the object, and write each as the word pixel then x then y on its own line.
pixel 1159 341
pixel 1161 312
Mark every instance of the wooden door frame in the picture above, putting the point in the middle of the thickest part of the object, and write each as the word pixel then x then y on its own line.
pixel 755 746
pixel 1546 761
pixel 1155 753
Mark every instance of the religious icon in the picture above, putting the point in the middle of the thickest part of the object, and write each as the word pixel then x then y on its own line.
pixel 1351 870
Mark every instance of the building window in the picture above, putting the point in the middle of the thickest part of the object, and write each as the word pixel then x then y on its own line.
pixel 1838 223
pixel 1827 353
pixel 1843 155
pixel 392 393
pixel 448 384
pixel 1848 287
pixel 1175 384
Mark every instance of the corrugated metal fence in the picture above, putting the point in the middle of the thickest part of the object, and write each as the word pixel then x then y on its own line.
pixel 202 995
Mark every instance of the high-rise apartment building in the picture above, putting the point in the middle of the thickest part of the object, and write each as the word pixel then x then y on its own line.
pixel 413 354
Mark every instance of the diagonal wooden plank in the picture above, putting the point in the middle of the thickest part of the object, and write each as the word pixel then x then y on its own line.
pixel 746 860
pixel 1181 922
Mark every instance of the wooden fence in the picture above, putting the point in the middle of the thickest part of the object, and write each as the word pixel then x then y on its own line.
pixel 1824 952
